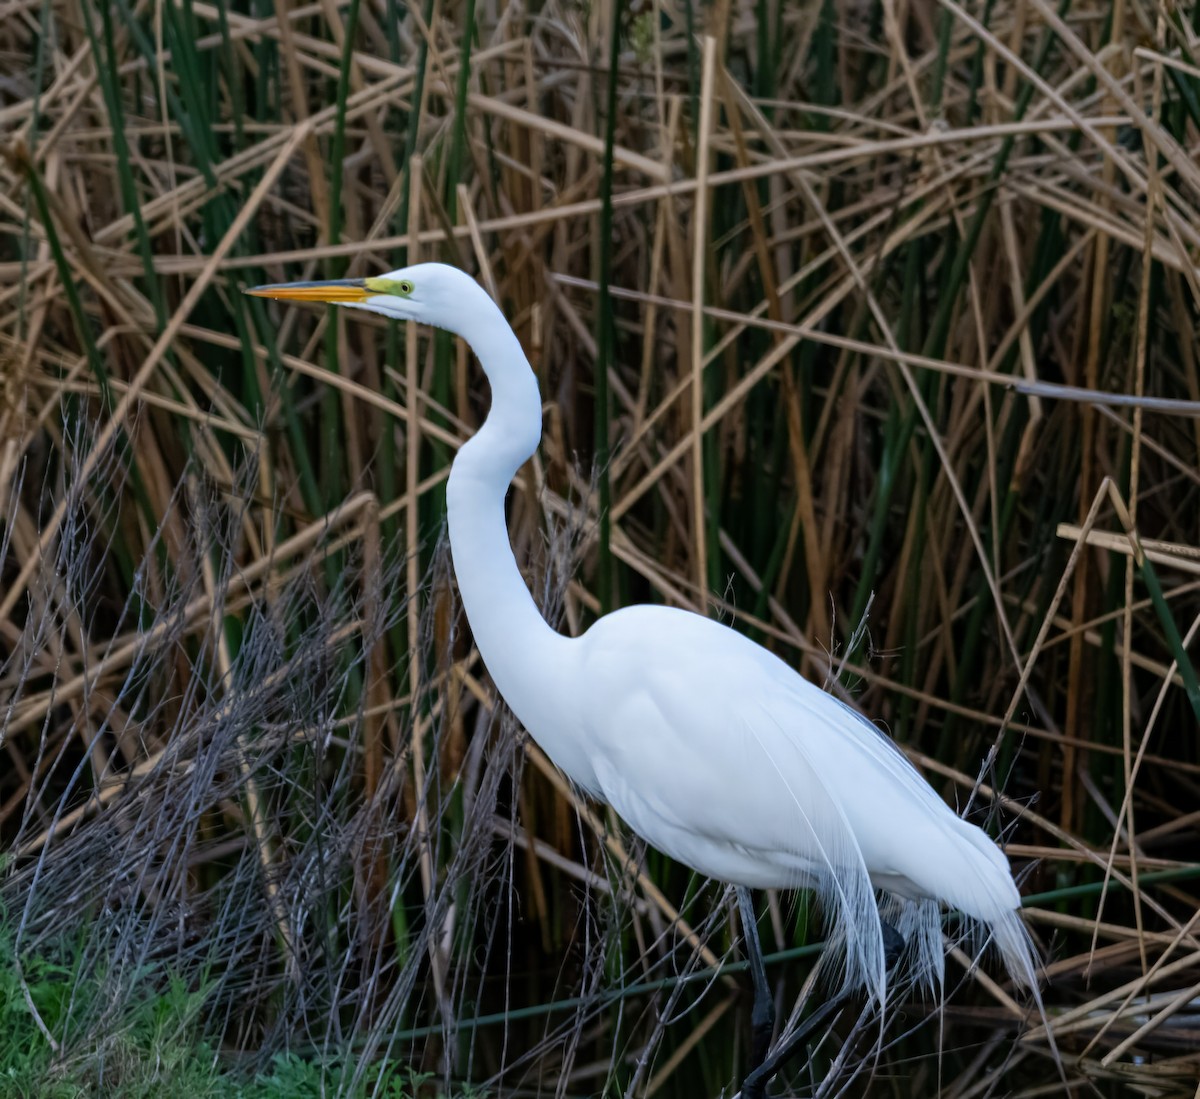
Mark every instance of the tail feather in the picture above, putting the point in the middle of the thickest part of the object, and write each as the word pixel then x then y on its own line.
pixel 982 888
pixel 974 879
pixel 919 923
pixel 1015 945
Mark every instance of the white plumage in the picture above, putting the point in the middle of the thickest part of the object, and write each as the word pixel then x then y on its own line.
pixel 709 746
pixel 722 756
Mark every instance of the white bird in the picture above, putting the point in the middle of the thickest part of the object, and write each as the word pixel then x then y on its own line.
pixel 710 747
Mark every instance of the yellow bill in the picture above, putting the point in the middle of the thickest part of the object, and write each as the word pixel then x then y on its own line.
pixel 332 290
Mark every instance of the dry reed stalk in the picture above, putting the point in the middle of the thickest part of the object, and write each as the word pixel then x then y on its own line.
pixel 904 322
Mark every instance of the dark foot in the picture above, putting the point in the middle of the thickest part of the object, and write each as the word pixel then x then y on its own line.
pixel 755 1084
pixel 762 1027
pixel 762 1017
pixel 893 944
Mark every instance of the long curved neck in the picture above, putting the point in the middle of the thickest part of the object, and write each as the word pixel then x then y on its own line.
pixel 513 637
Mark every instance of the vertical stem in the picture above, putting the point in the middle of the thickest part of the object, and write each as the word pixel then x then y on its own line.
pixel 1139 385
pixel 412 455
pixel 332 430
pixel 445 345
pixel 459 142
pixel 271 875
pixel 604 325
pixel 699 251
pixel 1081 715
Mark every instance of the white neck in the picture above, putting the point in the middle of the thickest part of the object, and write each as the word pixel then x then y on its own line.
pixel 516 644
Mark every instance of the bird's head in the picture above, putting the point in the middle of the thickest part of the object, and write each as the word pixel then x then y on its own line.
pixel 431 293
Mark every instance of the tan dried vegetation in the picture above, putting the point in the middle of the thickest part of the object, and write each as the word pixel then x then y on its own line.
pixel 882 326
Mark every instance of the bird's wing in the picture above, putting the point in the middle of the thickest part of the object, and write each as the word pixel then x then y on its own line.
pixel 709 731
pixel 718 754
pixel 715 735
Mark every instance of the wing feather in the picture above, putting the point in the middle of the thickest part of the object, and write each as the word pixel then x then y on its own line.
pixel 719 754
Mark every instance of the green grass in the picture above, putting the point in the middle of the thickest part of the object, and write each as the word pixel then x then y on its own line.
pixel 155 1045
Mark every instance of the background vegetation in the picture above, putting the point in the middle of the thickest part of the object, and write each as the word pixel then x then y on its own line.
pixel 869 326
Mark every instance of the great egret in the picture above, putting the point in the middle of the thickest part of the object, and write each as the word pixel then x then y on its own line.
pixel 710 747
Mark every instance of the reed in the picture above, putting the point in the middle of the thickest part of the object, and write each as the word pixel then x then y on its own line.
pixel 891 362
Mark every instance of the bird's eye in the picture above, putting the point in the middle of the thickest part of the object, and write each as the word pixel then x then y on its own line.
pixel 406 287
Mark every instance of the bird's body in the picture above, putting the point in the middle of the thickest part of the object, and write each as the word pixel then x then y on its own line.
pixel 709 746
pixel 784 753
pixel 731 763
pixel 726 788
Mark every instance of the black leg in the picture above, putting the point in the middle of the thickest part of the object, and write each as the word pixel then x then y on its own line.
pixel 765 1065
pixel 762 1017
pixel 893 944
pixel 755 1084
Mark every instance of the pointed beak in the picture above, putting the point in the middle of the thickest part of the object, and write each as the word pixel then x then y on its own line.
pixel 334 290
